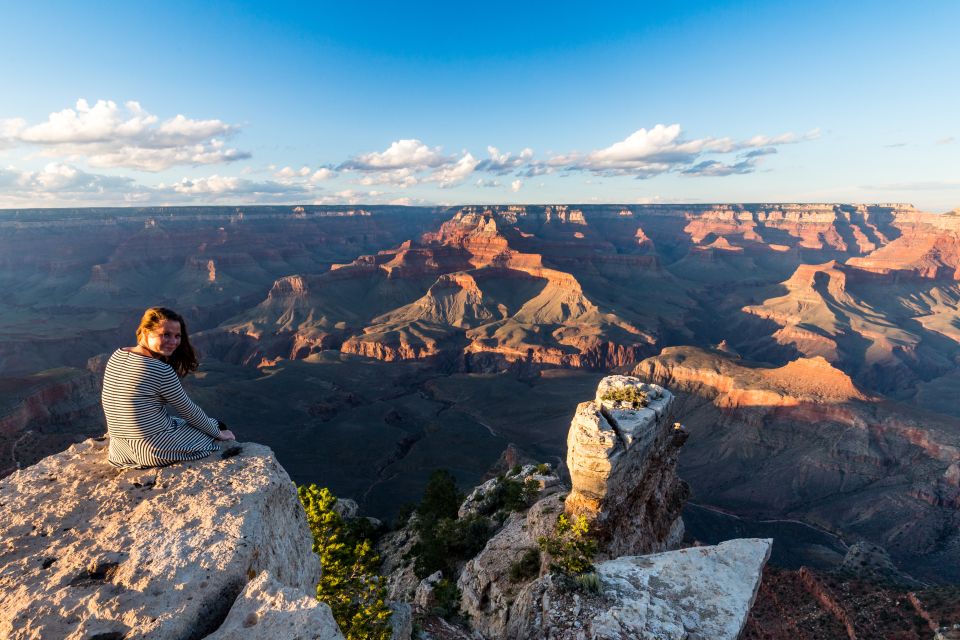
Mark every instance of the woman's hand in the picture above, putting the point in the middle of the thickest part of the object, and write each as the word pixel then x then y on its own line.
pixel 226 434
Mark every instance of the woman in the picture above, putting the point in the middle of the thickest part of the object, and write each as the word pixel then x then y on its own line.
pixel 138 384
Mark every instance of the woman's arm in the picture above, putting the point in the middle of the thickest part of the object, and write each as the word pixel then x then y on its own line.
pixel 172 391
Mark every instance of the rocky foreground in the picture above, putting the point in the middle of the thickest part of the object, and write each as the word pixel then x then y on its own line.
pixel 622 459
pixel 216 548
pixel 220 548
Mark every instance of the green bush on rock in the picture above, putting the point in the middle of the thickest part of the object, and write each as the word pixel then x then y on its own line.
pixel 570 547
pixel 350 584
pixel 630 396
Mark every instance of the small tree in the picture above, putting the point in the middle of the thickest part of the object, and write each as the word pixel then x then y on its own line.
pixel 570 547
pixel 350 584
pixel 441 498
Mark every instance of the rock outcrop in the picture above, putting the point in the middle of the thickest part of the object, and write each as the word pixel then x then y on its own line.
pixel 699 593
pixel 623 464
pixel 622 461
pixel 93 551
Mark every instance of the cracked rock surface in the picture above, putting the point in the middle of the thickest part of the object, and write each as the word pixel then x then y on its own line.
pixel 698 593
pixel 87 549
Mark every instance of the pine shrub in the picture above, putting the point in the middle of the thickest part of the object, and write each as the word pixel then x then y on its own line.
pixel 350 584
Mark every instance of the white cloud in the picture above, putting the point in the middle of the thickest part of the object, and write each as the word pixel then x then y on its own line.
pixel 108 135
pixel 504 163
pixel 9 129
pixel 61 184
pixel 409 162
pixel 401 154
pixel 289 172
pixel 217 185
pixel 650 152
pixel 321 174
pixel 402 178
pixel 455 174
pixel 515 185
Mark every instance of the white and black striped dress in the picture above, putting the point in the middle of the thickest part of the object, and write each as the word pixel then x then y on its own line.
pixel 136 390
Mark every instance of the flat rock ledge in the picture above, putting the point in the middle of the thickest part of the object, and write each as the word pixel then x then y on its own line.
pixel 698 593
pixel 90 551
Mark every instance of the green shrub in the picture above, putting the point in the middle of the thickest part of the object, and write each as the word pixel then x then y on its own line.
pixel 531 489
pixel 441 498
pixel 515 470
pixel 570 546
pixel 528 566
pixel 510 495
pixel 448 601
pixel 588 582
pixel 630 396
pixel 350 584
pixel 543 469
pixel 448 541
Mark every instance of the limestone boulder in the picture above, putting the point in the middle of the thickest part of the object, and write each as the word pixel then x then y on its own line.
pixel 268 610
pixel 622 461
pixel 164 553
pixel 699 593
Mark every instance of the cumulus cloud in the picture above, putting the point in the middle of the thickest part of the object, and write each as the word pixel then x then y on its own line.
pixel 59 183
pixel 216 185
pixel 406 163
pixel 401 154
pixel 110 135
pixel 62 184
pixel 321 174
pixel 289 172
pixel 663 148
pixel 504 163
pixel 515 185
pixel 402 178
pixel 454 174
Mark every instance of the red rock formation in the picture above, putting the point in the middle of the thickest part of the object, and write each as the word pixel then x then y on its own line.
pixel 801 441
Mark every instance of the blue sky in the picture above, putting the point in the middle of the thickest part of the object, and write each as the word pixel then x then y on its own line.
pixel 188 103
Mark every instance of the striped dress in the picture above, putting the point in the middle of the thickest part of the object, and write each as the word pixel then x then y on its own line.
pixel 136 392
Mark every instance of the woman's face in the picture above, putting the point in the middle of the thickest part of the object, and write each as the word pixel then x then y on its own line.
pixel 164 339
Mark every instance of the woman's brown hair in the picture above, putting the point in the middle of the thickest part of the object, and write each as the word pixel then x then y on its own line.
pixel 184 359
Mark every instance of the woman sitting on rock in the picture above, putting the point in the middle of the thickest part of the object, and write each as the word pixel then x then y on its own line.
pixel 138 384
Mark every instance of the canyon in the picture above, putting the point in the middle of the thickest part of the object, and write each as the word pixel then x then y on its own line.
pixel 813 349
